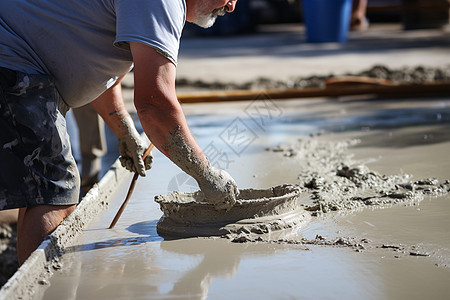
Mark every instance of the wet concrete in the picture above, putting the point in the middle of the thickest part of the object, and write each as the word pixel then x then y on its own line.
pixel 404 248
pixel 256 211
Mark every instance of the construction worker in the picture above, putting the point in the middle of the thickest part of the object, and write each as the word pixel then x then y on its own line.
pixel 59 54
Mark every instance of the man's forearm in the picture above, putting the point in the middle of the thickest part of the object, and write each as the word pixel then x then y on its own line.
pixel 111 108
pixel 167 128
pixel 160 112
pixel 164 123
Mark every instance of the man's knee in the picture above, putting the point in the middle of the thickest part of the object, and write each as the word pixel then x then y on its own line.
pixel 36 222
pixel 62 211
pixel 56 213
pixel 48 217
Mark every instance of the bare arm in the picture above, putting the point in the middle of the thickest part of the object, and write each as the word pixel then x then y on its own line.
pixel 111 108
pixel 164 123
pixel 156 101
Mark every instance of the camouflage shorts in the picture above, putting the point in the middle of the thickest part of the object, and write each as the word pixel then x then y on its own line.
pixel 37 166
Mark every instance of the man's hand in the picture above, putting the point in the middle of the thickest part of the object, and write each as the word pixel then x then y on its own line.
pixel 132 148
pixel 219 188
pixel 111 108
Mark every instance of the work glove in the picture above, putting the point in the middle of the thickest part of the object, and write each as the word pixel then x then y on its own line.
pixel 219 188
pixel 131 148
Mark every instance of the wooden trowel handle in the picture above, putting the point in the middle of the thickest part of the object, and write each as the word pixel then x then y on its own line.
pixel 130 189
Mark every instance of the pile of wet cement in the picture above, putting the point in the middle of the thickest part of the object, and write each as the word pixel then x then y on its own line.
pixel 257 211
pixel 330 180
pixel 358 245
pixel 406 75
pixel 337 182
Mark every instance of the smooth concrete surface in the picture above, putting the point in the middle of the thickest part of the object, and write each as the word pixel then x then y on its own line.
pixel 133 262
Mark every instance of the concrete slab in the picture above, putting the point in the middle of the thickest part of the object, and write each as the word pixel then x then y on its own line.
pixel 133 261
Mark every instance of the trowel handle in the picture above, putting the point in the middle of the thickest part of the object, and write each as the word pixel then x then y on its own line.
pixel 148 150
pixel 130 189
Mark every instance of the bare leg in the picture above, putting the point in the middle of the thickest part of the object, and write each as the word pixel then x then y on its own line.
pixel 35 223
pixel 358 18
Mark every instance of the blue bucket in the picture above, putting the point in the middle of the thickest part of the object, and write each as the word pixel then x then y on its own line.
pixel 327 20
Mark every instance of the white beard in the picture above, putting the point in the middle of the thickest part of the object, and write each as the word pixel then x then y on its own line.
pixel 207 20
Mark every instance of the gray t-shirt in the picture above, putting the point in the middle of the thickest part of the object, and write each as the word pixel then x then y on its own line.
pixel 83 43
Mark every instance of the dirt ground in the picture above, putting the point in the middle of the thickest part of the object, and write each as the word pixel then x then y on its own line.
pixel 405 75
pixel 8 257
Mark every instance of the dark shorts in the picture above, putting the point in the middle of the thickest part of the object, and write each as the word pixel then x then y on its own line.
pixel 37 166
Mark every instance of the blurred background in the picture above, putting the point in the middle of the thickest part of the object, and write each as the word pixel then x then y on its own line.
pixel 412 14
